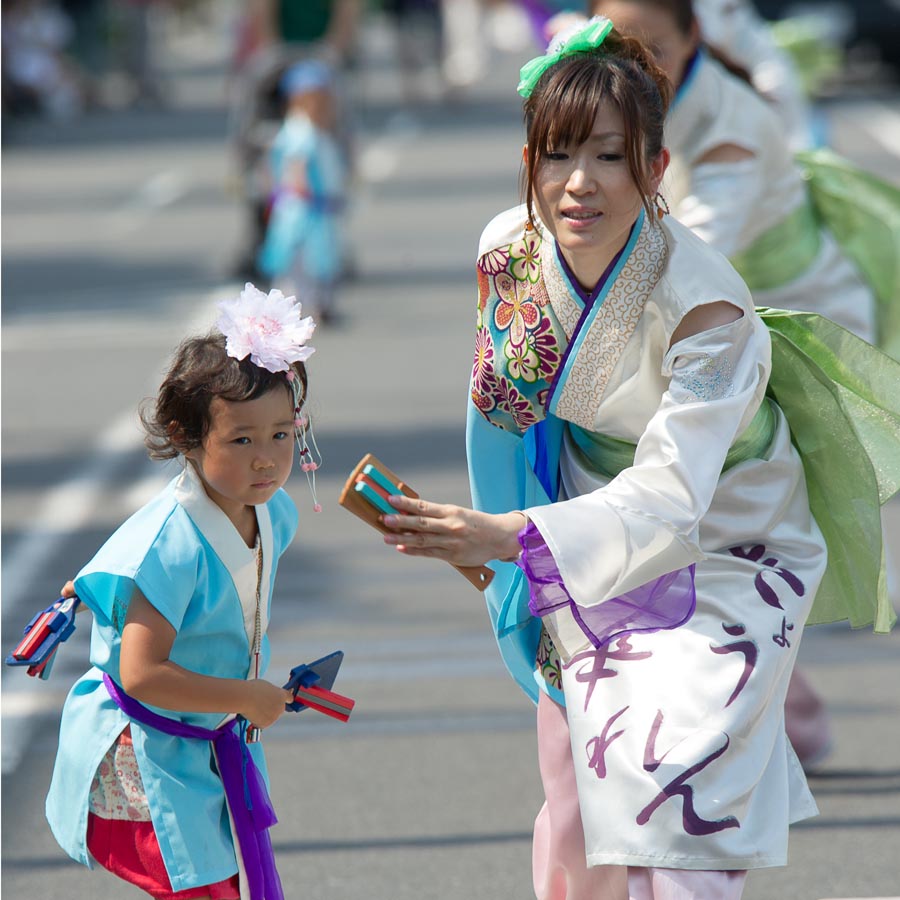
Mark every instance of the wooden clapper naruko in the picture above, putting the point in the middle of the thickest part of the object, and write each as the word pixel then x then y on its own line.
pixel 365 495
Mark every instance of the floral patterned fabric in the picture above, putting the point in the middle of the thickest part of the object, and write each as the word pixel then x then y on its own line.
pixel 530 325
pixel 519 340
pixel 117 791
pixel 548 662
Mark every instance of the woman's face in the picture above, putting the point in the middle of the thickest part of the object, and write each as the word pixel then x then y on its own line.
pixel 586 197
pixel 657 29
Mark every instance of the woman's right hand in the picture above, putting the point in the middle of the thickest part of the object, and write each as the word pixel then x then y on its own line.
pixel 265 703
pixel 456 534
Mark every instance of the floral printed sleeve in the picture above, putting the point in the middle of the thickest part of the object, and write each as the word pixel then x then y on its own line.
pixel 517 341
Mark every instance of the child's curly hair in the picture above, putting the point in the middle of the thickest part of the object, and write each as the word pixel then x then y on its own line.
pixel 179 420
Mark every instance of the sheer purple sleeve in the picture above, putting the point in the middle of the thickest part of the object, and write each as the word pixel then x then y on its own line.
pixel 666 602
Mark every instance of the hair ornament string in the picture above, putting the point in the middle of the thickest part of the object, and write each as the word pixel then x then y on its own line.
pixel 581 37
pixel 310 456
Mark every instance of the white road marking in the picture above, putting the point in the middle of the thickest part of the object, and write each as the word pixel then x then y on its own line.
pixel 379 159
pixel 162 190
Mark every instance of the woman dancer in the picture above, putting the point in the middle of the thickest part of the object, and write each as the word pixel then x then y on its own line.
pixel 623 453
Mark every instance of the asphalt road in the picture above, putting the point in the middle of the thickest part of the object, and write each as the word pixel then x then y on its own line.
pixel 118 235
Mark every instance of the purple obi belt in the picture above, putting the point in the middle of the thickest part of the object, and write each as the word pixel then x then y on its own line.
pixel 248 800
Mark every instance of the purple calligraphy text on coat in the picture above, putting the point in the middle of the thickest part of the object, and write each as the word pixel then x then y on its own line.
pixel 599 670
pixel 596 746
pixel 693 823
pixel 781 639
pixel 748 648
pixel 763 588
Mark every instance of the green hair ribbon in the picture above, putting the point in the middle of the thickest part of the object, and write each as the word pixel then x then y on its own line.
pixel 587 36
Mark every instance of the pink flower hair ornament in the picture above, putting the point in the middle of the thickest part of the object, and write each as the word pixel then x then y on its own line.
pixel 269 329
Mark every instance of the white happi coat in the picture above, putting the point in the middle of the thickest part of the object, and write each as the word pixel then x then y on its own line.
pixel 677 734
pixel 731 204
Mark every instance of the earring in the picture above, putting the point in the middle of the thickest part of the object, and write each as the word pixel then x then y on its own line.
pixel 662 208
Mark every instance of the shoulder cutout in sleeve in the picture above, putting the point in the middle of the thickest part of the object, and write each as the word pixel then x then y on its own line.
pixel 705 318
pixel 726 153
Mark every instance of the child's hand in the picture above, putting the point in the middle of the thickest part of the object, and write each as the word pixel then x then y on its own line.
pixel 265 703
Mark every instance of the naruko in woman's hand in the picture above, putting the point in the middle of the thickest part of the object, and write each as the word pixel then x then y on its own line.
pixel 461 536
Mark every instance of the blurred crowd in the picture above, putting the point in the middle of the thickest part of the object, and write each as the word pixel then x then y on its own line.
pixel 63 57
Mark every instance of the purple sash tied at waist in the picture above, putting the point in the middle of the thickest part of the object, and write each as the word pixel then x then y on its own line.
pixel 248 800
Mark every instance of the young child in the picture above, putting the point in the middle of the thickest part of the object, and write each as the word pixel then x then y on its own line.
pixel 302 251
pixel 149 781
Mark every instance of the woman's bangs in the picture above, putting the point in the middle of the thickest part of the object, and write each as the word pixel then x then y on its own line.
pixel 571 105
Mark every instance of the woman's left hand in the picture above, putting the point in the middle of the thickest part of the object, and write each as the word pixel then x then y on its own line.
pixel 456 534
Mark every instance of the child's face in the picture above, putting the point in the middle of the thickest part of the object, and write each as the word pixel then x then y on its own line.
pixel 318 105
pixel 248 452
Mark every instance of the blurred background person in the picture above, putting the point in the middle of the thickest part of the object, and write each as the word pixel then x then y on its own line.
pixel 735 181
pixel 417 32
pixel 465 46
pixel 90 41
pixel 746 43
pixel 39 74
pixel 270 36
pixel 303 246
pixel 134 27
pixel 740 35
pixel 472 28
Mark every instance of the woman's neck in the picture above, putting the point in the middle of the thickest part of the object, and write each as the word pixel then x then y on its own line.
pixel 589 275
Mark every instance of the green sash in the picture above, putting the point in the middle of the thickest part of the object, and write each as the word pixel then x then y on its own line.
pixel 781 254
pixel 841 399
pixel 608 455
pixel 861 212
pixel 815 59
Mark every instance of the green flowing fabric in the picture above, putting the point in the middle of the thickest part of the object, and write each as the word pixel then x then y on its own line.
pixel 863 213
pixel 841 397
pixel 608 455
pixel 782 253
pixel 815 59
